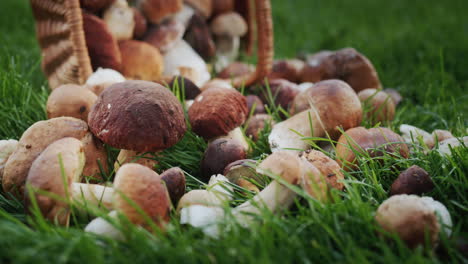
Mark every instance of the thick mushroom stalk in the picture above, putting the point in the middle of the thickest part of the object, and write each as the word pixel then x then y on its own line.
pixel 331 104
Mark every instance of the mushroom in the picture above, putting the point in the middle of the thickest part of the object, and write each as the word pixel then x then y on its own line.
pixel 158 10
pixel 7 147
pixel 394 94
pixel 190 89
pixel 331 104
pixel 373 141
pixel 242 173
pixel 282 91
pixel 95 5
pixel 103 78
pixel 219 154
pixel 289 70
pixel 203 7
pixel 175 182
pixel 412 134
pixel 101 45
pixel 317 67
pixel 141 25
pixel 199 37
pixel 327 167
pixel 237 135
pixel 137 115
pixel 227 28
pixel 120 20
pixel 223 6
pixel 379 105
pixel 217 111
pixel 414 180
pixel 416 220
pixel 140 60
pixel 441 135
pixel 36 138
pixel 447 146
pixel 70 100
pixel 130 156
pixel 256 124
pixel 55 171
pixel 254 102
pixel 236 69
pixel 166 35
pixel 172 62
pixel 141 196
pixel 217 83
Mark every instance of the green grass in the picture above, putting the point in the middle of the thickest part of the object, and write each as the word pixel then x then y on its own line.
pixel 418 47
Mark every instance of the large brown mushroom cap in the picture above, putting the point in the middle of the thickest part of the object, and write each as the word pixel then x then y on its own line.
pixel 329 168
pixel 33 141
pixel 216 111
pixel 137 115
pixel 141 61
pixel 64 155
pixel 70 100
pixel 146 191
pixel 380 104
pixel 335 102
pixel 158 10
pixel 102 47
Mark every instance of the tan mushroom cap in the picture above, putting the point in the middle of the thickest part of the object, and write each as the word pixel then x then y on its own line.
pixel 33 141
pixel 141 61
pixel 70 100
pixel 313 181
pixel 146 190
pixel 120 20
pixel 7 147
pixel 381 105
pixel 158 10
pixel 229 24
pixel 283 164
pixel 327 166
pixel 65 154
pixel 138 115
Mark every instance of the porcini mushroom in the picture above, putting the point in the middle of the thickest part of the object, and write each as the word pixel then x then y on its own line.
pixel 141 25
pixel 103 78
pixel 198 35
pixel 414 180
pixel 236 69
pixel 447 146
pixel 254 103
pixel 65 156
pixel 414 219
pixel 174 179
pixel 256 124
pixel 95 5
pixel 166 35
pixel 137 115
pixel 219 154
pixel 282 91
pixel 70 100
pixel 242 173
pixel 412 134
pixel 7 147
pixel 141 61
pixel 327 167
pixel 157 10
pixel 289 70
pixel 379 104
pixel 331 104
pixel 120 20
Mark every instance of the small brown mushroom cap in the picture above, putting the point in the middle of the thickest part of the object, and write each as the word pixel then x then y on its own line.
pixel 146 190
pixel 335 102
pixel 410 218
pixel 256 124
pixel 157 10
pixel 95 5
pixel 137 115
pixel 165 35
pixel 219 153
pixel 70 100
pixel 374 141
pixel 141 25
pixel 414 180
pixel 64 155
pixel 283 92
pixel 380 105
pixel 287 69
pixel 33 141
pixel 216 111
pixel 140 60
pixel 175 183
pixel 229 24
pixel 191 90
pixel 236 69
pixel 255 101
pixel 102 46
pixel 317 67
pixel 329 168
pixel 204 7
pixel 198 35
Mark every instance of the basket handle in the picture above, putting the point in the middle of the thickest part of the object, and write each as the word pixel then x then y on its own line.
pixel 264 45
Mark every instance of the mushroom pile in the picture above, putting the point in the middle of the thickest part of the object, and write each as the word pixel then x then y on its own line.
pixel 311 112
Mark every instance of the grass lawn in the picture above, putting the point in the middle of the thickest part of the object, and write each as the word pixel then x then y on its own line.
pixel 419 47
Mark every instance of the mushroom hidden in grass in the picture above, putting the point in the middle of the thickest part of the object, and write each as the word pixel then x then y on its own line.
pixel 318 111
pixel 414 180
pixel 53 180
pixel 141 196
pixel 418 221
pixel 379 105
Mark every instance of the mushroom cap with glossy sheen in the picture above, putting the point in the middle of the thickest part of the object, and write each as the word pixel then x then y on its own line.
pixel 137 115
pixel 327 166
pixel 229 24
pixel 141 61
pixel 146 191
pixel 414 180
pixel 336 103
pixel 33 141
pixel 174 179
pixel 158 10
pixel 64 155
pixel 219 153
pixel 70 100
pixel 381 105
pixel 216 111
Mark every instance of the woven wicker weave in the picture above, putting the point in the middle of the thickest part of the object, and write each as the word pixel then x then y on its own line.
pixel 65 59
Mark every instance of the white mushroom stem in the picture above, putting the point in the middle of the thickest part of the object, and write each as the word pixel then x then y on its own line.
pixel 236 134
pixel 94 194
pixel 204 217
pixel 184 15
pixel 101 226
pixel 172 62
pixel 287 134
pixel 227 51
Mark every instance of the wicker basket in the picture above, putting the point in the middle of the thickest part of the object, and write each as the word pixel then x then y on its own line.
pixel 59 29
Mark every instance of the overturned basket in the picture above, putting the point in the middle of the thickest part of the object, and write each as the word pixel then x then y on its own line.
pixel 65 58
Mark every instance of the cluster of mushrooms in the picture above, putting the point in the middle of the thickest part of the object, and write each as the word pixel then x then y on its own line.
pixel 126 104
